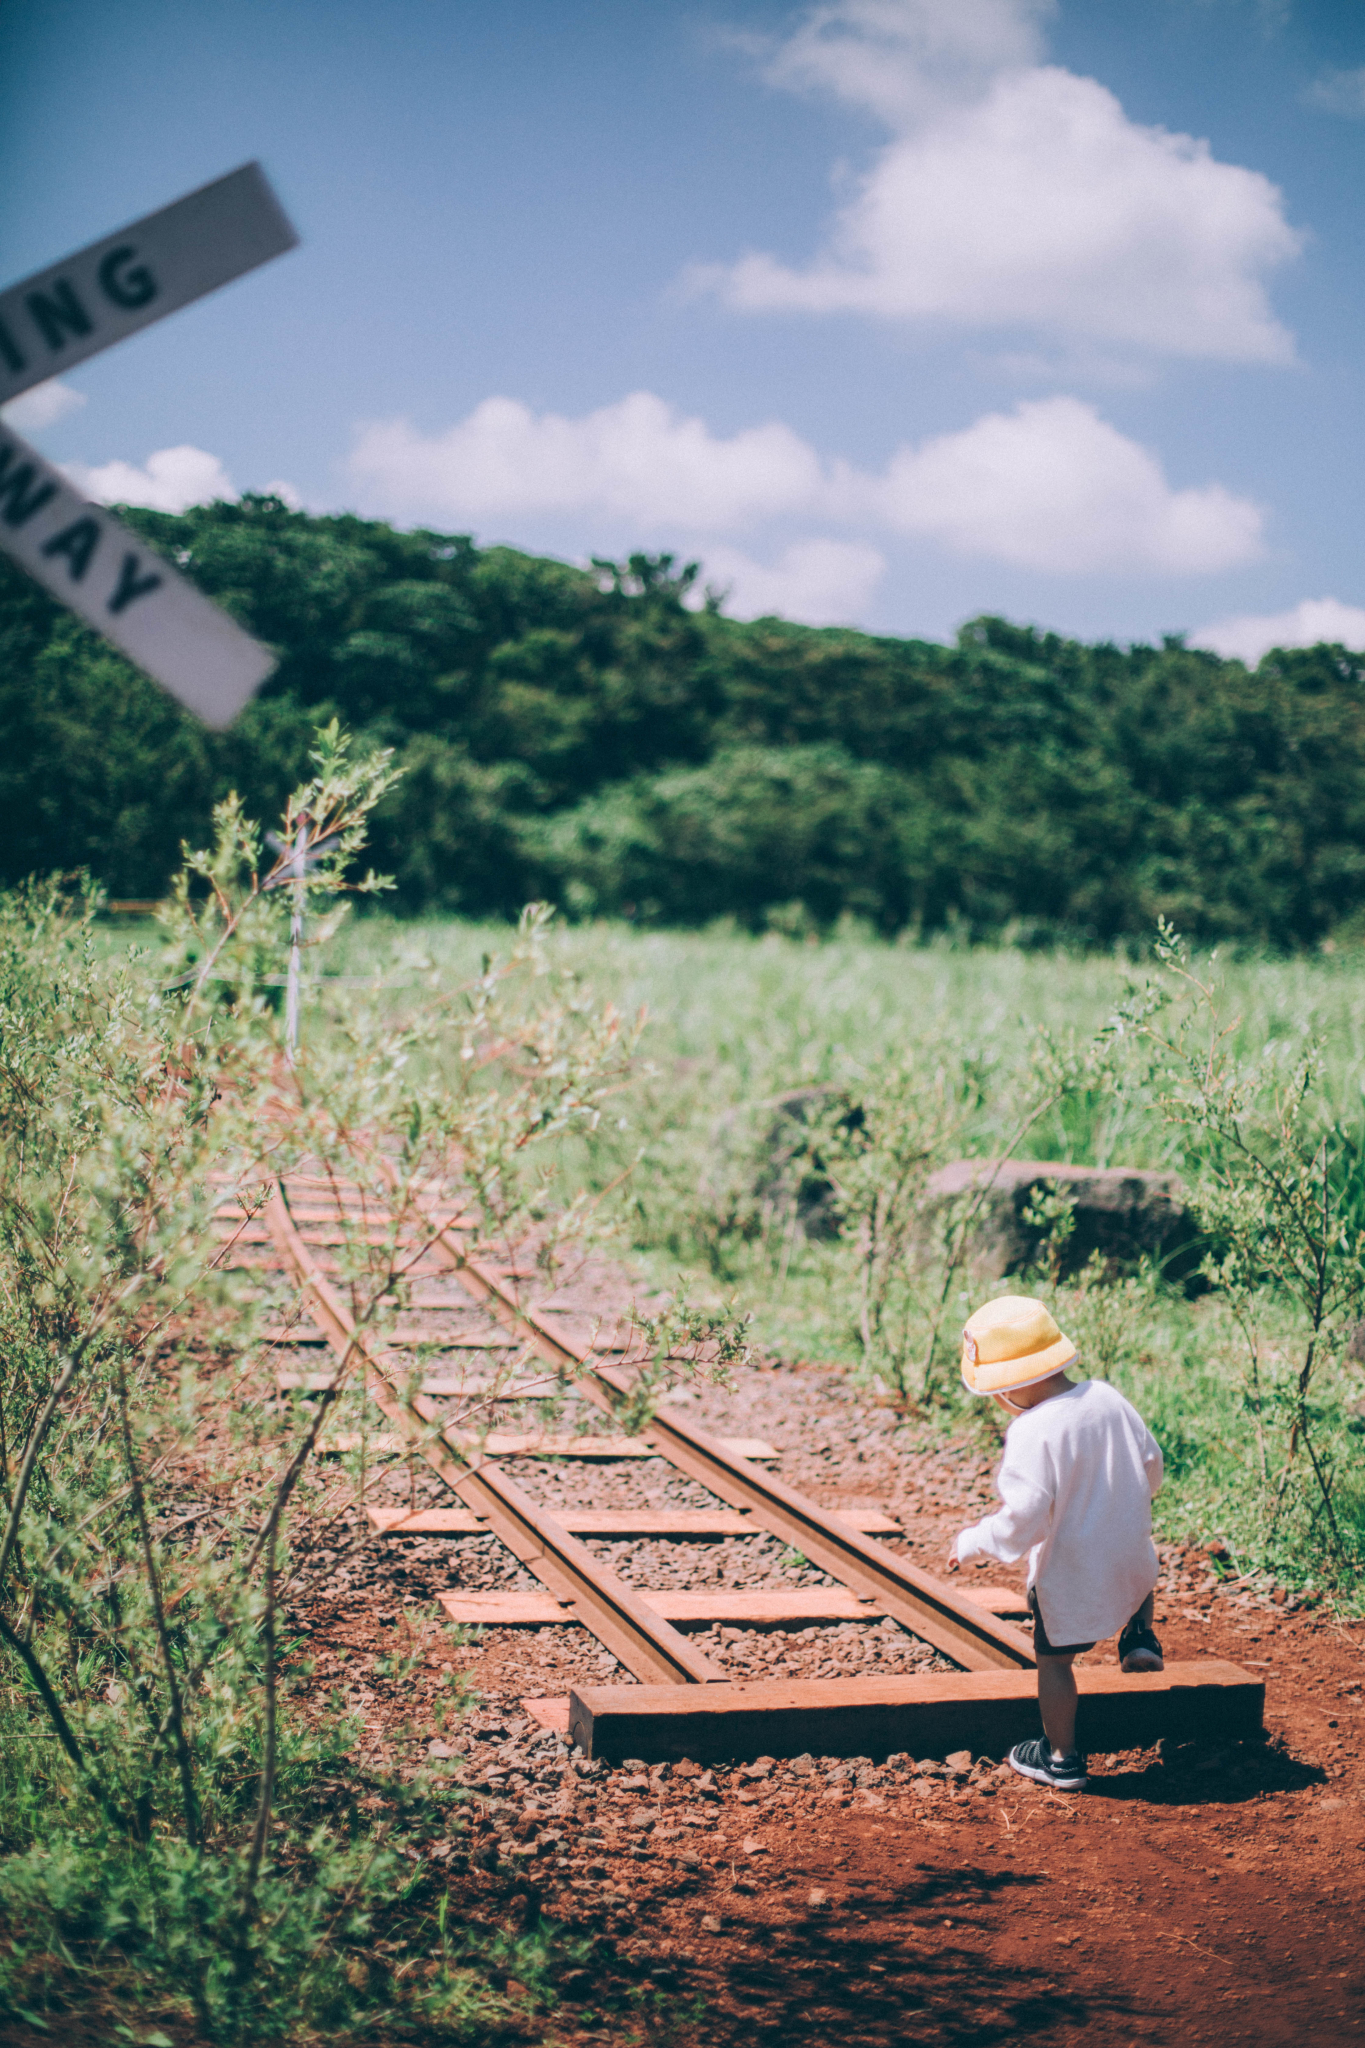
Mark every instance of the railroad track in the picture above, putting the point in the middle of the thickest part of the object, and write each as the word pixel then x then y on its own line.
pixel 465 1305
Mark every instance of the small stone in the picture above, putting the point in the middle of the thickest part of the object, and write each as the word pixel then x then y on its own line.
pixel 744 1884
pixel 637 1784
pixel 634 1763
pixel 817 1898
pixel 959 1760
pixel 440 1750
pixel 687 1767
pixel 751 1846
pixel 710 1924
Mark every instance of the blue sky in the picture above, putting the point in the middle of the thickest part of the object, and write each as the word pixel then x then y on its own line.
pixel 890 311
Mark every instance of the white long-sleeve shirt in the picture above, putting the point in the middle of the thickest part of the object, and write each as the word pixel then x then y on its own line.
pixel 1076 1483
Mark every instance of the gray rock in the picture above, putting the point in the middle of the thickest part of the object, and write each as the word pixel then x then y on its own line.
pixel 1124 1213
pixel 777 1164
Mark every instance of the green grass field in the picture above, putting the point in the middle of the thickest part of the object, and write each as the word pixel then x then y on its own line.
pixel 734 1022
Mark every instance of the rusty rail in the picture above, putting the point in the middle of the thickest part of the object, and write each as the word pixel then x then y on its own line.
pixel 923 1604
pixel 649 1647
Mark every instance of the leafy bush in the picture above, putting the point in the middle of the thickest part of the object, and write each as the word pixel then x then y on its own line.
pixel 179 1818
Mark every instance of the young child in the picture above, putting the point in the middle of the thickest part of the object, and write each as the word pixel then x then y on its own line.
pixel 1076 1482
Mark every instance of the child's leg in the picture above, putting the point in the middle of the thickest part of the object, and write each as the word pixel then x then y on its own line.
pixel 1057 1699
pixel 1139 1650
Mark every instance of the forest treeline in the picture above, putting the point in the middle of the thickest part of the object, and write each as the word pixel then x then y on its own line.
pixel 591 737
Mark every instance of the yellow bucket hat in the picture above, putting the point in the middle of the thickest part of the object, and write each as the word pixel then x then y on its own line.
pixel 1012 1343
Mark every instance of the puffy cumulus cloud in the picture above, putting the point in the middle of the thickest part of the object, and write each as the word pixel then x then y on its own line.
pixel 172 480
pixel 1019 195
pixel 819 582
pixel 637 458
pixel 41 407
pixel 1253 634
pixel 1050 486
pixel 1053 486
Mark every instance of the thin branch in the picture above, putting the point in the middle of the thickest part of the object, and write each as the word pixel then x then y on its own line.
pixel 175 1713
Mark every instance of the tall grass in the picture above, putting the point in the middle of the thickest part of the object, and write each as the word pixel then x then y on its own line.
pixel 737 1023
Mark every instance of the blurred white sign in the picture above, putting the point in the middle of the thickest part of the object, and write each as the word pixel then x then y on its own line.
pixel 102 570
pixel 80 552
pixel 60 316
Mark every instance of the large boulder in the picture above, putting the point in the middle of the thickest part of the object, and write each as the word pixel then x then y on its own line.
pixel 1122 1212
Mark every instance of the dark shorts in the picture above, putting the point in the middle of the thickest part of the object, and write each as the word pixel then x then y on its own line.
pixel 1042 1647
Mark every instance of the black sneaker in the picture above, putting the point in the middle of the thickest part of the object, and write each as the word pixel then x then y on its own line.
pixel 1035 1760
pixel 1139 1649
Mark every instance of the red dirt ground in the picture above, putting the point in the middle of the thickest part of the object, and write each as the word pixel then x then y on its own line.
pixel 1201 1896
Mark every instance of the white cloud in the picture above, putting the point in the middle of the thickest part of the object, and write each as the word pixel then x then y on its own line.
pixel 173 479
pixel 1304 625
pixel 1338 92
pixel 899 58
pixel 638 459
pixel 1049 486
pixel 820 582
pixel 42 406
pixel 1053 486
pixel 1020 196
pixel 287 493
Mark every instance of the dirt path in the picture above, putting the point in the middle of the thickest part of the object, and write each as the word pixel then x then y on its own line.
pixel 1197 1896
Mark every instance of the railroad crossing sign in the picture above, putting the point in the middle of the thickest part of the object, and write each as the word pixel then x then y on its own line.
pixel 88 559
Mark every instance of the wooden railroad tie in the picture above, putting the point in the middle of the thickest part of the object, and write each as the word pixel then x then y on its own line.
pixel 701 1523
pixel 385 1444
pixel 745 1608
pixel 984 1711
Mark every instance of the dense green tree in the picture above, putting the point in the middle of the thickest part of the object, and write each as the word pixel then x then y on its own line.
pixel 589 734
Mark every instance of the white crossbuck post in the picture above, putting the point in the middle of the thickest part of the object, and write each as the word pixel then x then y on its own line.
pixel 78 551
